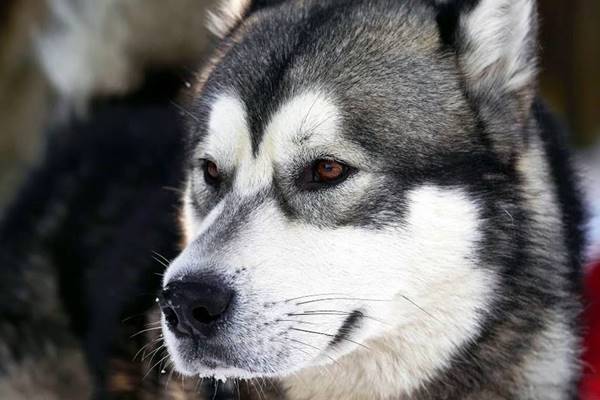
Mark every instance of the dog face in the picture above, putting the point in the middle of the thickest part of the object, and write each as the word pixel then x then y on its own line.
pixel 337 194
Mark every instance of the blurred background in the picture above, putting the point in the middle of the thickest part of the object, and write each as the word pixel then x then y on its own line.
pixel 83 77
pixel 58 56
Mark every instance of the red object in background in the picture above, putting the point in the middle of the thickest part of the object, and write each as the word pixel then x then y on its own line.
pixel 590 386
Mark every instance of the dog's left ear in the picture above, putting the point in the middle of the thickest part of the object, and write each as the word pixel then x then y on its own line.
pixel 496 47
pixel 495 40
pixel 230 13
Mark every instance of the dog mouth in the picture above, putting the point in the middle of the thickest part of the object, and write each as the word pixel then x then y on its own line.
pixel 269 356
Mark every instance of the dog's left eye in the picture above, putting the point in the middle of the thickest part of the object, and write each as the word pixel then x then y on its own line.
pixel 325 172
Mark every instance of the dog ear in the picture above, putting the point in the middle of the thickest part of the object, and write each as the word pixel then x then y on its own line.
pixel 495 40
pixel 230 13
pixel 496 46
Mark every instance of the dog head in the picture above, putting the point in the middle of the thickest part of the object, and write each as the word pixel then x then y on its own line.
pixel 342 161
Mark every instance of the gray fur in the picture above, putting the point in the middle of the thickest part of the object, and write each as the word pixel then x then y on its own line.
pixel 419 116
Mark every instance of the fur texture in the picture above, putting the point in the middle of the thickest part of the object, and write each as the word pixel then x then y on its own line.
pixel 463 197
pixel 446 263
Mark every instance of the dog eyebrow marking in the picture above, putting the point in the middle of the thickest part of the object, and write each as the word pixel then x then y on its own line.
pixel 228 139
pixel 310 118
pixel 229 144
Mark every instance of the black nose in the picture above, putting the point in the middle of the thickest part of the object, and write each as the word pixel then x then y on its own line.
pixel 194 308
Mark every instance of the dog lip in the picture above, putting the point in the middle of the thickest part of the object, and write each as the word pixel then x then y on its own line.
pixel 213 363
pixel 206 353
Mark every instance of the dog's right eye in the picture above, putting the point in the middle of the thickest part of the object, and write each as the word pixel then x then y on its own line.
pixel 212 175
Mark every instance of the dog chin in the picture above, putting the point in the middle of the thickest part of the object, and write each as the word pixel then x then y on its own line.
pixel 224 373
pixel 217 370
pixel 191 364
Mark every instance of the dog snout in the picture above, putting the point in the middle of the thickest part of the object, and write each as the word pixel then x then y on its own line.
pixel 195 308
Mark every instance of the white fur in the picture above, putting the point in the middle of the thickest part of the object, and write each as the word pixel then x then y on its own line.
pixel 417 281
pixel 227 142
pixel 188 219
pixel 193 229
pixel 430 260
pixel 308 124
pixel 310 115
pixel 498 33
pixel 549 367
pixel 229 13
pixel 550 364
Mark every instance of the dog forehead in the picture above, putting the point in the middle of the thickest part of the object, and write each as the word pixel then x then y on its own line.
pixel 399 91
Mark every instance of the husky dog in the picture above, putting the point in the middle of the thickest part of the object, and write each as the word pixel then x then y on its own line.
pixel 377 206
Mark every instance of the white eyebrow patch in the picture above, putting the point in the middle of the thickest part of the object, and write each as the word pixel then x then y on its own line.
pixel 228 140
pixel 311 118
pixel 229 143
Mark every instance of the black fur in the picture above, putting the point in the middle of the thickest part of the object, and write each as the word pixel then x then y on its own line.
pixel 448 17
pixel 100 212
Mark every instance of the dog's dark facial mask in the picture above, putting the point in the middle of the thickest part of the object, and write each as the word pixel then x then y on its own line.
pixel 337 202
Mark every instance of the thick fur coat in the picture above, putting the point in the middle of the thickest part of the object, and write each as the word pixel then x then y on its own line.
pixel 443 262
pixel 457 232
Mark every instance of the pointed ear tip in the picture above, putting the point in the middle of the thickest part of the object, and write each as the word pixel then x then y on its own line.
pixel 498 45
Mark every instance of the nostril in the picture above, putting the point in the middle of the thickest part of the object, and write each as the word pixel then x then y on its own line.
pixel 171 317
pixel 195 308
pixel 202 315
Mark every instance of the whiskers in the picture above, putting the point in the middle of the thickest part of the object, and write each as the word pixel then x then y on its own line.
pixel 333 336
pixel 153 348
pixel 145 347
pixel 299 318
pixel 154 328
pixel 329 297
pixel 162 260
pixel 311 313
pixel 341 298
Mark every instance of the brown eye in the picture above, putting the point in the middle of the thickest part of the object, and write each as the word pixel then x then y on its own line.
pixel 212 176
pixel 324 173
pixel 328 170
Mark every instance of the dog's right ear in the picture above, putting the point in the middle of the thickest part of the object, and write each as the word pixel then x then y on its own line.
pixel 230 13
